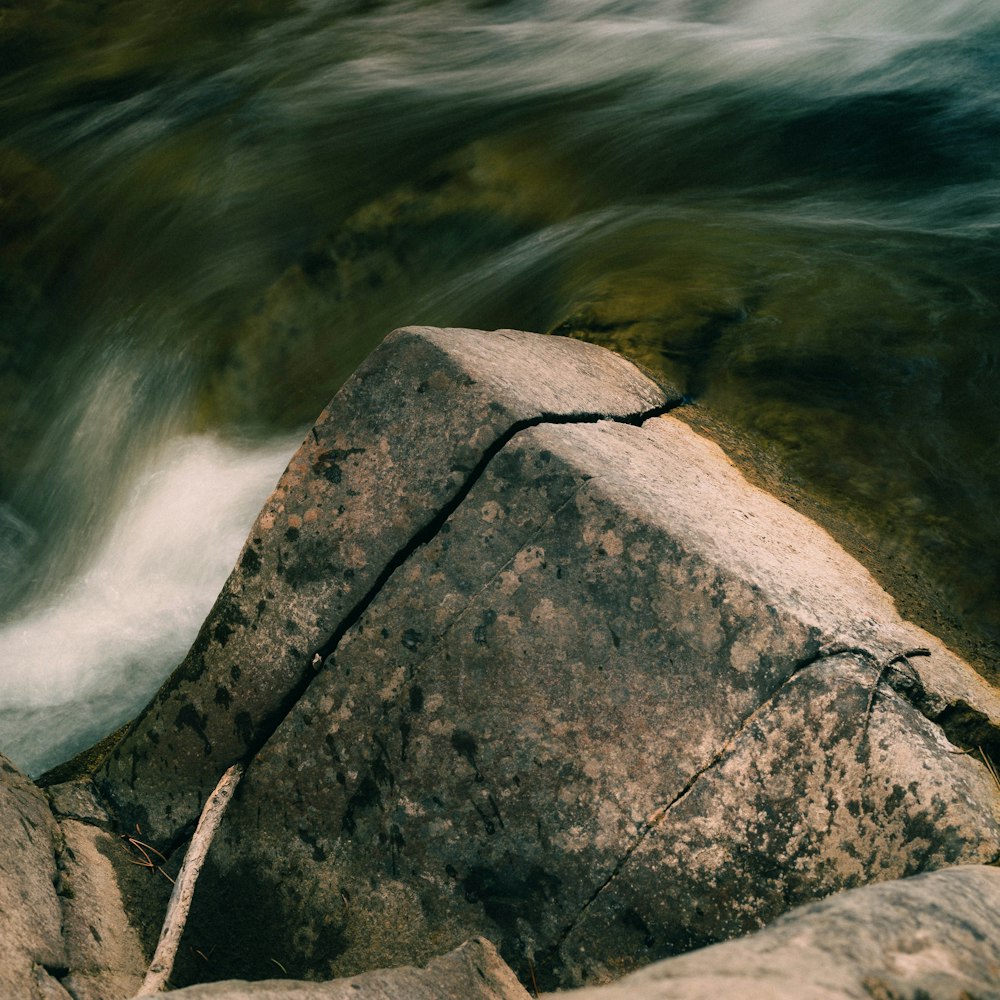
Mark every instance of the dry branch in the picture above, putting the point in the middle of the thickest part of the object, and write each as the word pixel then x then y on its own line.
pixel 183 892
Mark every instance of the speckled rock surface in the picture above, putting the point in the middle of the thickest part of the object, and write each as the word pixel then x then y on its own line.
pixel 30 916
pixel 473 971
pixel 598 717
pixel 931 937
pixel 396 445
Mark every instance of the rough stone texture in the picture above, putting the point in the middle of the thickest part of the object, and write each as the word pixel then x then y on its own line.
pixel 63 928
pixel 931 937
pixel 598 698
pixel 397 444
pixel 77 800
pixel 802 802
pixel 473 971
pixel 104 955
pixel 30 941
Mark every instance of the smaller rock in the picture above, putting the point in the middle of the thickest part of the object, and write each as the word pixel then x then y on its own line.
pixel 473 971
pixel 931 937
pixel 77 800
pixel 104 953
pixel 30 918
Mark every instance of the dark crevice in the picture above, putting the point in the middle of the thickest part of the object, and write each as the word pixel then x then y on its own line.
pixel 318 657
pixel 968 728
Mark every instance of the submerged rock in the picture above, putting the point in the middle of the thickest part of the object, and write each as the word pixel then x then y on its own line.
pixel 501 667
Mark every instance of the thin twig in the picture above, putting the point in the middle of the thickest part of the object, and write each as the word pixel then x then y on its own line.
pixel 880 669
pixel 180 899
pixel 989 766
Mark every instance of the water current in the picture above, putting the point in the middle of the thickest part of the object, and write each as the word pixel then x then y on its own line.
pixel 209 214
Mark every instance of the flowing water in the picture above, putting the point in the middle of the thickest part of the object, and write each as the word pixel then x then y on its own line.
pixel 209 214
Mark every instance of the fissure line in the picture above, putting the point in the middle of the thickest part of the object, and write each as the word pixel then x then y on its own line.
pixel 421 537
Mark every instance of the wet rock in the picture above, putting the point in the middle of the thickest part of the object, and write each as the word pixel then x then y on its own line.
pixel 396 446
pixel 30 917
pixel 615 708
pixel 473 971
pixel 931 937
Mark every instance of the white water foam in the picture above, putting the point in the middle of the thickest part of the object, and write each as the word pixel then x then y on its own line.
pixel 86 659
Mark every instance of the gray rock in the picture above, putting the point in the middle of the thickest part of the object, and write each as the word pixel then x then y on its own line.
pixel 473 971
pixel 31 945
pixel 396 446
pixel 600 717
pixel 63 928
pixel 931 937
pixel 77 800
pixel 104 955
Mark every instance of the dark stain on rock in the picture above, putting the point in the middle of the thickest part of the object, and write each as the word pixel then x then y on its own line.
pixel 311 840
pixel 464 744
pixel 412 638
pixel 250 563
pixel 366 796
pixel 327 464
pixel 235 672
pixel 244 728
pixel 222 697
pixel 292 534
pixel 632 919
pixel 508 896
pixel 222 632
pixel 188 717
pixel 416 698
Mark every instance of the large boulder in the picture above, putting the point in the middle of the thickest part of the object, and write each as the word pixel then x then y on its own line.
pixel 395 448
pixel 501 667
pixel 600 717
pixel 931 937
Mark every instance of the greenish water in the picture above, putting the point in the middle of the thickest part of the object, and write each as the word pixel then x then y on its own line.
pixel 209 216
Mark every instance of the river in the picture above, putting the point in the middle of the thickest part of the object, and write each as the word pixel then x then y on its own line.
pixel 209 214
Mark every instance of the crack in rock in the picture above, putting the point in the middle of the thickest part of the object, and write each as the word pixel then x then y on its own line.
pixel 659 814
pixel 323 655
pixel 955 721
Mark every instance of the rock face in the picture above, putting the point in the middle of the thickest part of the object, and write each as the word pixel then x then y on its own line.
pixel 395 448
pixel 502 667
pixel 62 922
pixel 932 937
pixel 30 916
pixel 596 718
pixel 473 971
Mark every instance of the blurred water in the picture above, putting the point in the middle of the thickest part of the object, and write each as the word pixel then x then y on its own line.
pixel 789 208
